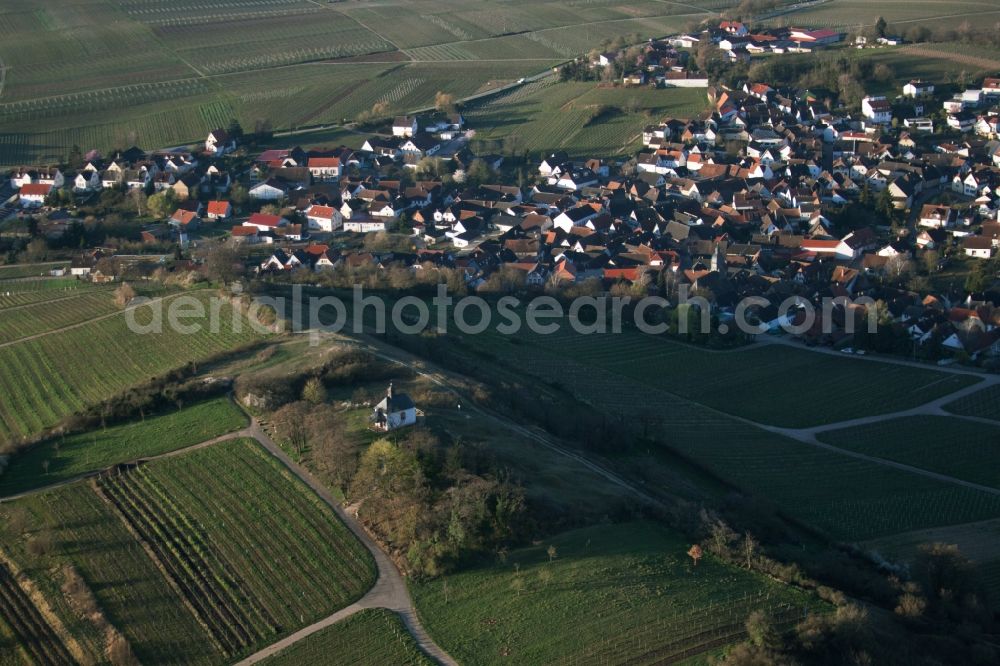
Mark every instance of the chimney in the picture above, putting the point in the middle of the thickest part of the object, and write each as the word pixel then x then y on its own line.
pixel 389 392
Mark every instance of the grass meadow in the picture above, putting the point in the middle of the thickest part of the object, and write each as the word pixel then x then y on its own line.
pixel 62 458
pixel 372 636
pixel 612 592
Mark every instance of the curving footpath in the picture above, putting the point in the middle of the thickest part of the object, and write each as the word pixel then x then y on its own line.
pixel 390 591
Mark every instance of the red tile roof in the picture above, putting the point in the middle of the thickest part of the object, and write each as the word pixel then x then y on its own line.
pixel 35 189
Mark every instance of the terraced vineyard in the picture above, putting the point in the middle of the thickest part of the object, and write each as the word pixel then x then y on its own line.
pixel 49 377
pixel 23 630
pixel 165 68
pixel 254 555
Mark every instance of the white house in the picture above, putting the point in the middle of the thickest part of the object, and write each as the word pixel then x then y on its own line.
pixel 364 226
pixel 219 143
pixel 404 126
pixel 978 247
pixel 33 195
pixel 323 168
pixel 877 110
pixel 265 222
pixel 396 410
pixel 324 218
pixel 269 190
pixel 917 88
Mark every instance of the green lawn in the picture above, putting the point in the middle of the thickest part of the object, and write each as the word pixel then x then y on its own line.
pixel 373 636
pixel 92 451
pixel 612 593
pixel 984 404
pixel 962 449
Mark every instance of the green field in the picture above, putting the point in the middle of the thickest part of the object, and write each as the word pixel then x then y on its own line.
pixel 579 118
pixel 612 594
pixel 29 270
pixel 101 74
pixel 675 392
pixel 769 384
pixel 962 449
pixel 49 377
pixel 983 404
pixel 236 552
pixel 46 316
pixel 27 291
pixel 849 14
pixel 92 451
pixel 373 636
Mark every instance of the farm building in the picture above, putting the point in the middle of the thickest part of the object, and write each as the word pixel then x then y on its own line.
pixel 396 410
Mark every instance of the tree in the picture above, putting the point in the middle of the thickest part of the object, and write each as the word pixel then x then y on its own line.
pixel 314 391
pixel 139 200
pixel 124 294
pixel 444 102
pixel 239 196
pixel 162 203
pixel 694 552
pixel 223 264
pixel 880 26
pixel 551 552
pixel 75 158
pixel 977 281
pixel 235 129
pixel 761 630
pixel 931 259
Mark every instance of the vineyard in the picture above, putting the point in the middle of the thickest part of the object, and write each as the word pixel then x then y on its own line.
pixel 849 14
pixel 128 587
pixel 958 448
pixel 252 551
pixel 579 118
pixel 27 270
pixel 107 75
pixel 65 457
pixel 23 630
pixel 983 404
pixel 24 292
pixel 373 636
pixel 45 316
pixel 47 378
pixel 848 498
pixel 625 591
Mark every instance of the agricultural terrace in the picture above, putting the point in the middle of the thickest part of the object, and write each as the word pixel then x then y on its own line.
pixel 983 404
pixel 961 449
pixel 372 636
pixel 582 119
pixel 235 552
pixel 252 550
pixel 625 592
pixel 37 396
pixel 62 458
pixel 162 73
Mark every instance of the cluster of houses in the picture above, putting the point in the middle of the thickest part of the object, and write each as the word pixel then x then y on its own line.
pixel 739 43
pixel 659 64
pixel 764 220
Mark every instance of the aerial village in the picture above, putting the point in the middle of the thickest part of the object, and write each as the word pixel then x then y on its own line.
pixel 772 191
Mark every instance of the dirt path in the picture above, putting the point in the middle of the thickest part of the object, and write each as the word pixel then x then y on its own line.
pixel 389 592
pixel 390 589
